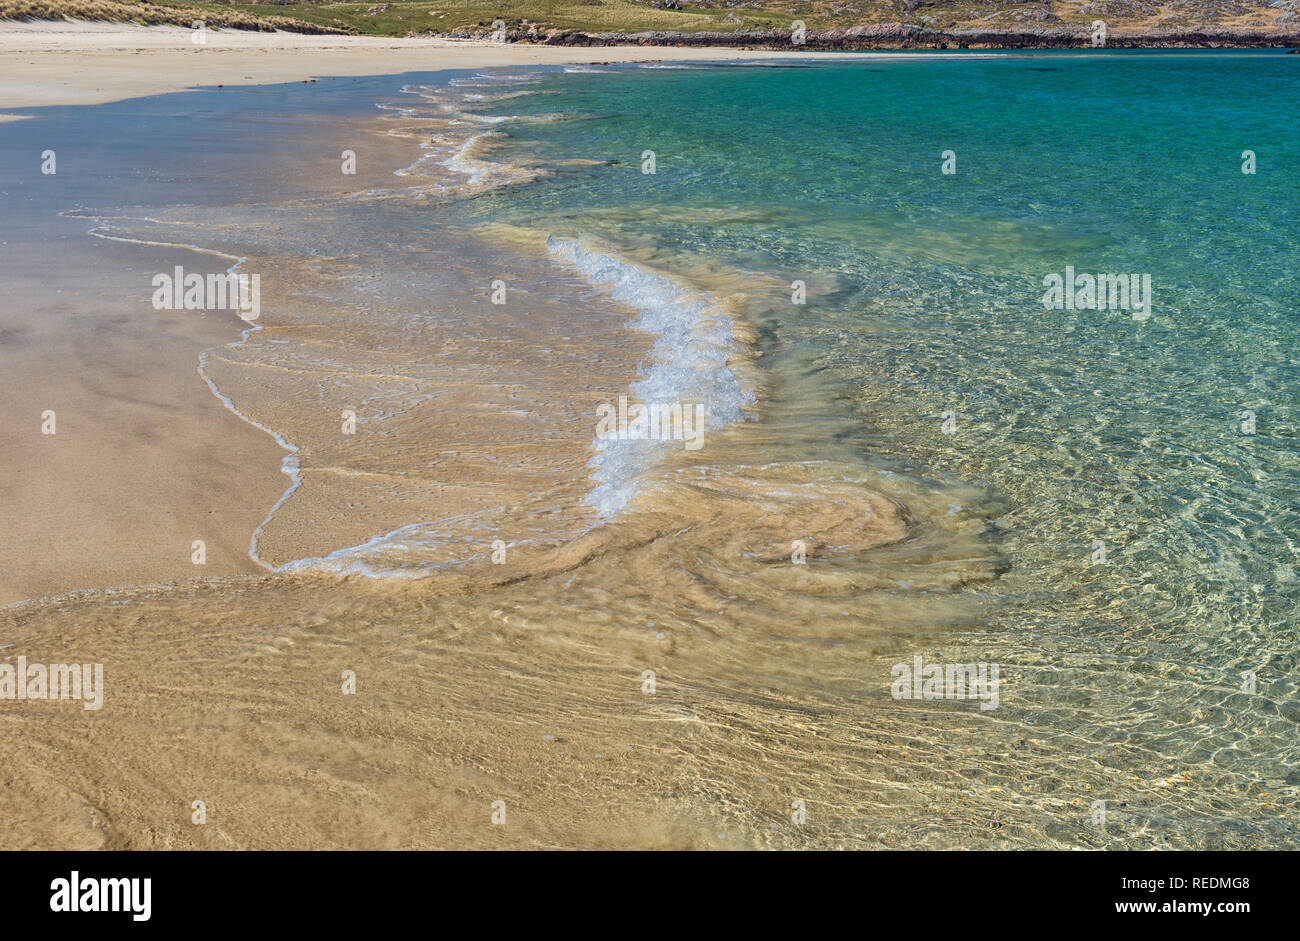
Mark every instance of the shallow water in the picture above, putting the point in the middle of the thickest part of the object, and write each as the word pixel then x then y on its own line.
pixel 918 461
pixel 1138 474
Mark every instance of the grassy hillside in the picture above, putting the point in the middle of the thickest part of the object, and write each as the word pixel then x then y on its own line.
pixel 591 16
pixel 685 16
pixel 630 16
pixel 146 13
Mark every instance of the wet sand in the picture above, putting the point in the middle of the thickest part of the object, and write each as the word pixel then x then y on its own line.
pixel 661 680
pixel 142 460
pixel 108 370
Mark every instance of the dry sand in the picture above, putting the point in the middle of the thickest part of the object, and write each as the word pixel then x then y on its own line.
pixel 88 63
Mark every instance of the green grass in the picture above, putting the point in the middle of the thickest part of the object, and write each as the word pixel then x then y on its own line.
pixel 588 16
pixel 592 16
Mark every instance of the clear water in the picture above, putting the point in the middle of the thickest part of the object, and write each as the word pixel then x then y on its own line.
pixel 925 296
pixel 976 541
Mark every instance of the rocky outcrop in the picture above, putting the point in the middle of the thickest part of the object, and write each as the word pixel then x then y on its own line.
pixel 1054 36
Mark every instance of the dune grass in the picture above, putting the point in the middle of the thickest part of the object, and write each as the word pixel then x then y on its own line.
pixel 148 14
pixel 590 16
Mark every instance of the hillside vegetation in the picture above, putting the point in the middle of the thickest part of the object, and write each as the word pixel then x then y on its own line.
pixel 539 19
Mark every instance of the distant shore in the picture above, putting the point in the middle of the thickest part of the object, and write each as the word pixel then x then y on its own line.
pixel 114 61
pixel 43 64
pixel 899 37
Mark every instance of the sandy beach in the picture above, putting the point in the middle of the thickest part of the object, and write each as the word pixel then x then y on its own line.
pixel 470 691
pixel 87 63
pixel 442 608
pixel 47 64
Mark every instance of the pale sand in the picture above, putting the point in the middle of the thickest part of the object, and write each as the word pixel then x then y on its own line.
pixel 144 460
pixel 89 63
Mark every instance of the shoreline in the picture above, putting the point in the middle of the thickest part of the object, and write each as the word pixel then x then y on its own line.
pixel 765 589
pixel 119 61
pixel 323 528
pixel 898 37
pixel 115 62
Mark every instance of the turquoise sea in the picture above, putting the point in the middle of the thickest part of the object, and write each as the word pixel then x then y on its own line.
pixel 1168 443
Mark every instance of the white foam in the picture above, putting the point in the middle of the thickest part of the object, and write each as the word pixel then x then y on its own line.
pixel 442 148
pixel 476 171
pixel 411 551
pixel 694 343
pixel 289 464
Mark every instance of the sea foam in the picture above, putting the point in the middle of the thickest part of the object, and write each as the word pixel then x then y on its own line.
pixel 690 361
